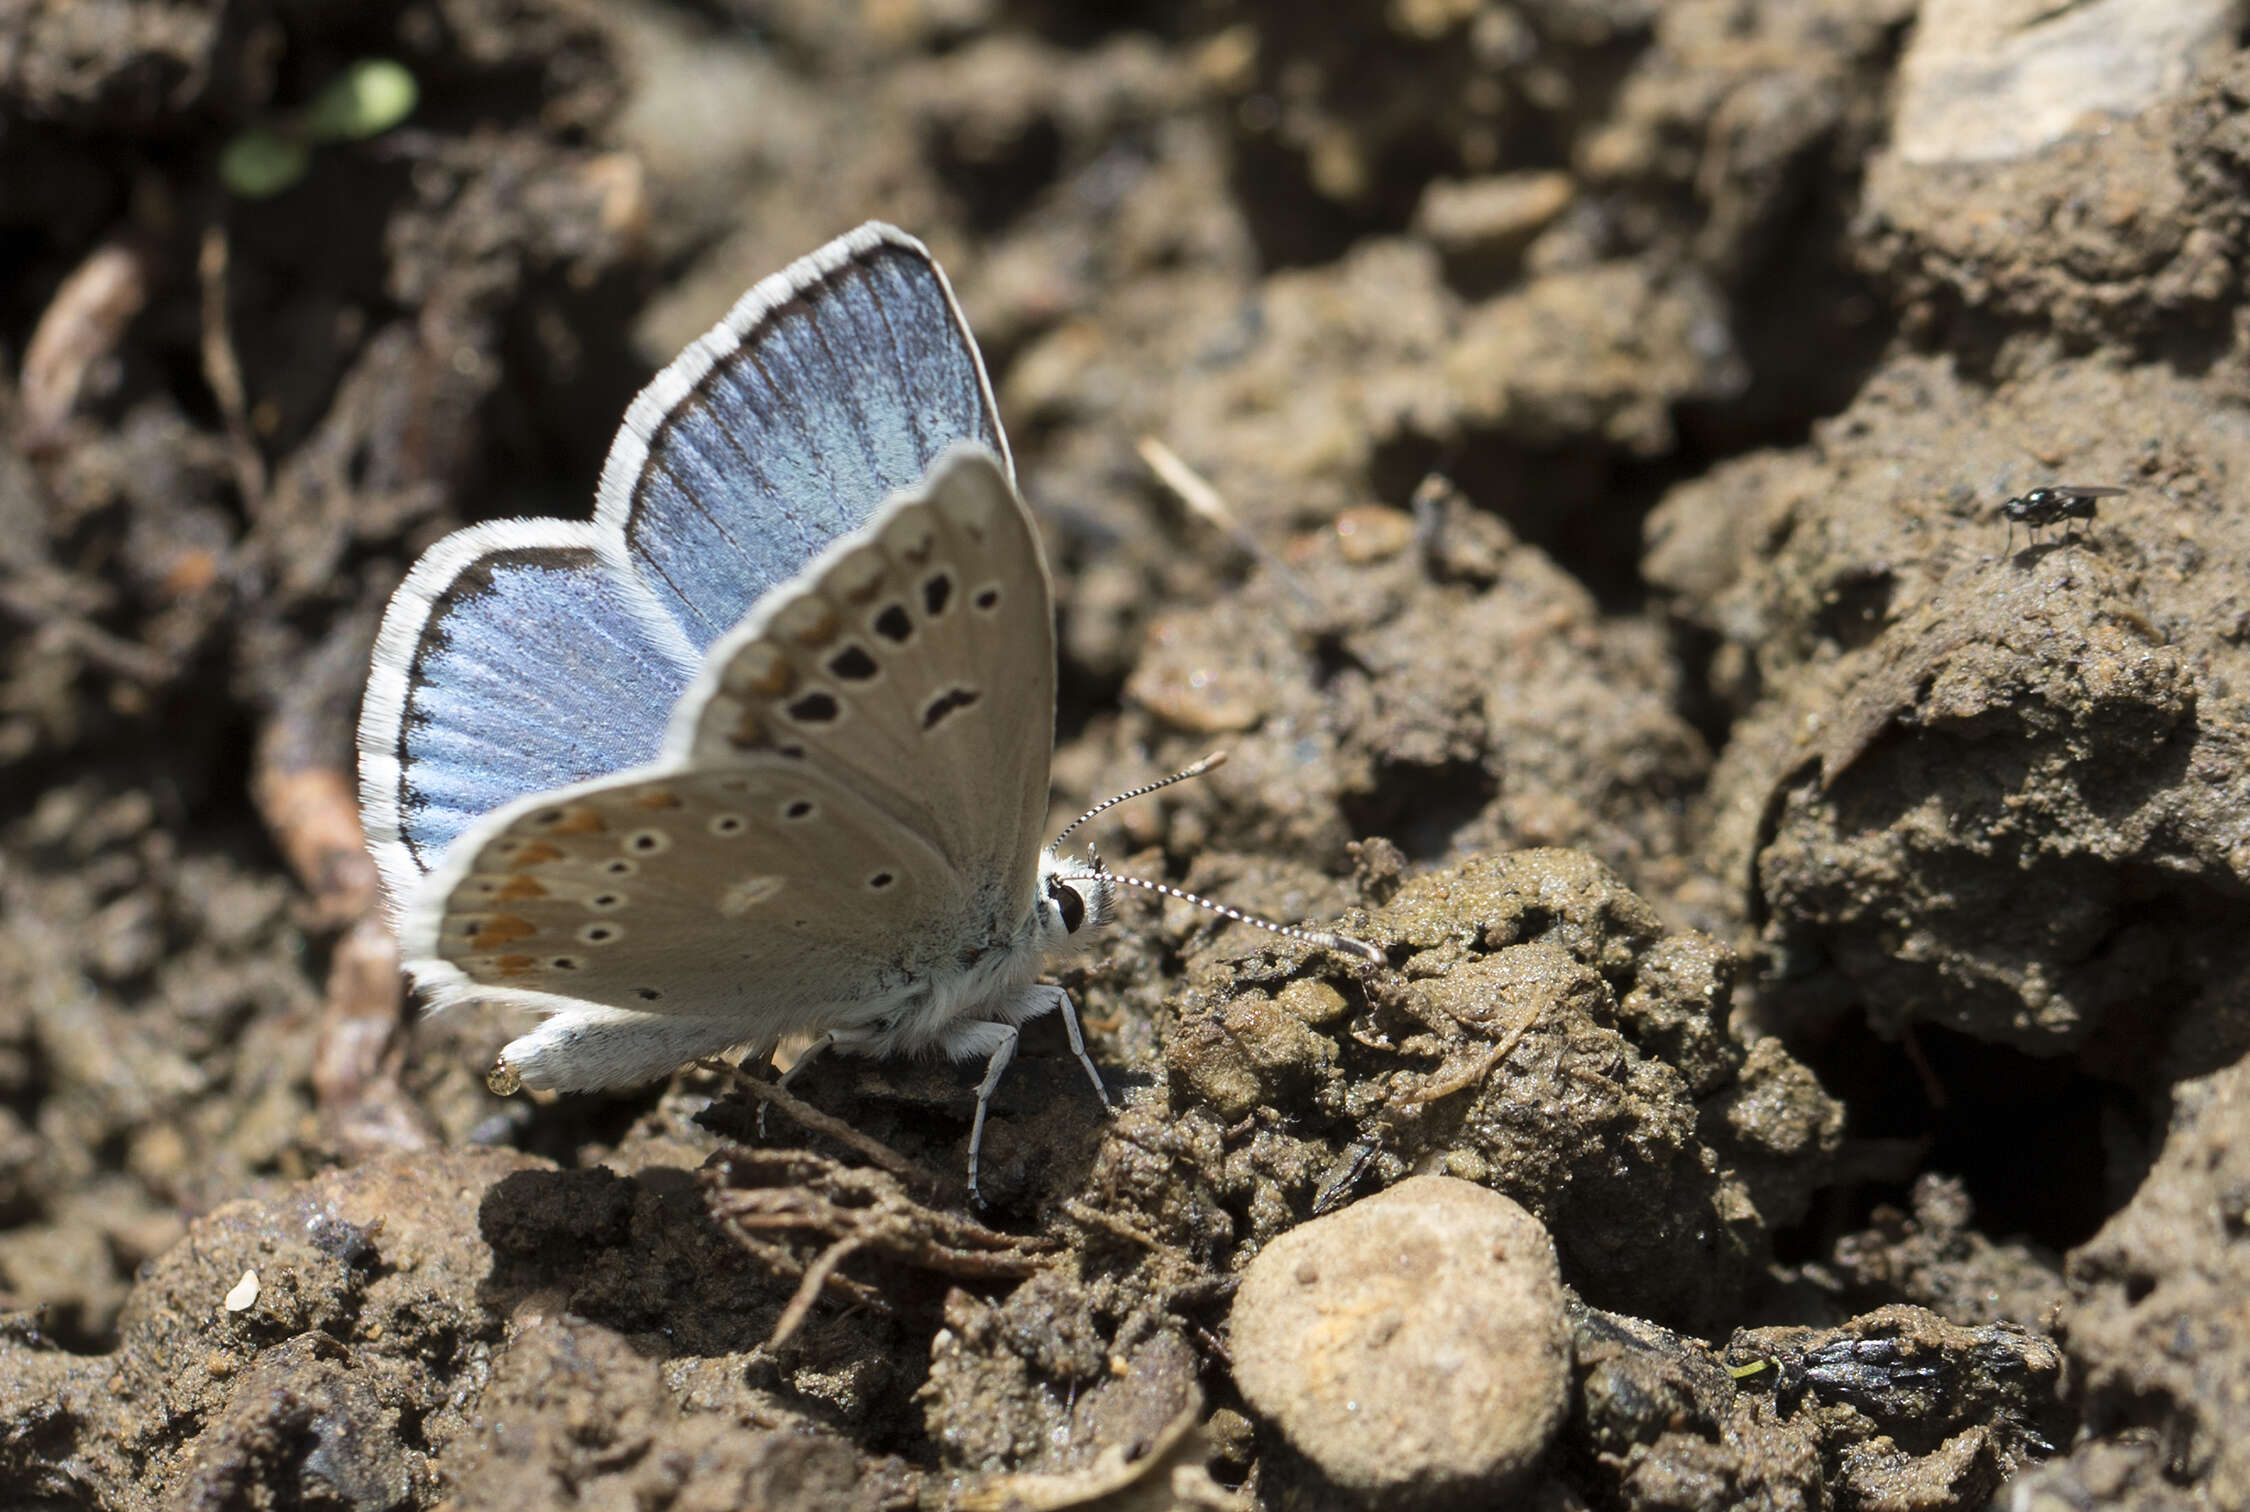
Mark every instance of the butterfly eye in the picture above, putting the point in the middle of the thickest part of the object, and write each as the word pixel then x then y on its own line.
pixel 1067 900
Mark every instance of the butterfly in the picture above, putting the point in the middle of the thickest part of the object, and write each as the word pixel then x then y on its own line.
pixel 762 749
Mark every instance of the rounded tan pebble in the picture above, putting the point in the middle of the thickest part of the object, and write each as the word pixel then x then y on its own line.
pixel 1411 1346
pixel 1371 533
pixel 1183 683
pixel 1501 213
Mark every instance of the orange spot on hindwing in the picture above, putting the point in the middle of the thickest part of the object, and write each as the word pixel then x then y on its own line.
pixel 499 930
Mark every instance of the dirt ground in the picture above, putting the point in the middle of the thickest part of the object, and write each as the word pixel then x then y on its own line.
pixel 1818 905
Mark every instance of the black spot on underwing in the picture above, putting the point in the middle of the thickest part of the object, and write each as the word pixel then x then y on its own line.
pixel 853 664
pixel 814 708
pixel 947 703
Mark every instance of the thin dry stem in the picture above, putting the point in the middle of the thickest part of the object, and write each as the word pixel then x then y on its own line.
pixel 825 1123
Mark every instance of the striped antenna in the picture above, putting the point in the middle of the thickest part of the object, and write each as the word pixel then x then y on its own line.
pixel 1327 939
pixel 1214 760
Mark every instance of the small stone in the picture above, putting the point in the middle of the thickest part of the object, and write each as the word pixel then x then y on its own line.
pixel 1189 685
pixel 1492 216
pixel 1255 1054
pixel 1412 1346
pixel 1213 1067
pixel 1371 533
pixel 1314 1001
pixel 245 1293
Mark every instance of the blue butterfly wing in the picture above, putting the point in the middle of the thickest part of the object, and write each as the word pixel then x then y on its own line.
pixel 523 656
pixel 829 387
pixel 512 661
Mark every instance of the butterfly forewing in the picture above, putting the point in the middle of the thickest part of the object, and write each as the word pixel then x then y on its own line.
pixel 829 387
pixel 762 894
pixel 916 663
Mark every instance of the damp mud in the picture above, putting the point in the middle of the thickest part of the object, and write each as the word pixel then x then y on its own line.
pixel 1810 1063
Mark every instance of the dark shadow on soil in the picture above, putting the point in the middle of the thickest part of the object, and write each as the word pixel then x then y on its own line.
pixel 1421 809
pixel 2046 1151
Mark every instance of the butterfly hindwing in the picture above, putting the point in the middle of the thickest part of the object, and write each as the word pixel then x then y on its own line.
pixel 512 661
pixel 914 661
pixel 763 896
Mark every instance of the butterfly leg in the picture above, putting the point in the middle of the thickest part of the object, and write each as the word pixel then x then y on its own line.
pixel 824 1043
pixel 1069 1011
pixel 1041 998
pixel 998 1043
pixel 995 1039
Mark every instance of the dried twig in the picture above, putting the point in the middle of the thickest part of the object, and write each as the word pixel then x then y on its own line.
pixel 83 323
pixel 1470 1071
pixel 816 1277
pixel 111 652
pixel 901 1231
pixel 760 1196
pixel 1086 1215
pixel 223 372
pixel 1207 503
pixel 835 1128
pixel 1170 1472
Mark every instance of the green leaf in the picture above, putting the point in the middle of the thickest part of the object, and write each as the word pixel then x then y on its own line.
pixel 259 164
pixel 366 99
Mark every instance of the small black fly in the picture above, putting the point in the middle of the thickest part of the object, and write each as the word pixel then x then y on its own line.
pixel 2052 505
